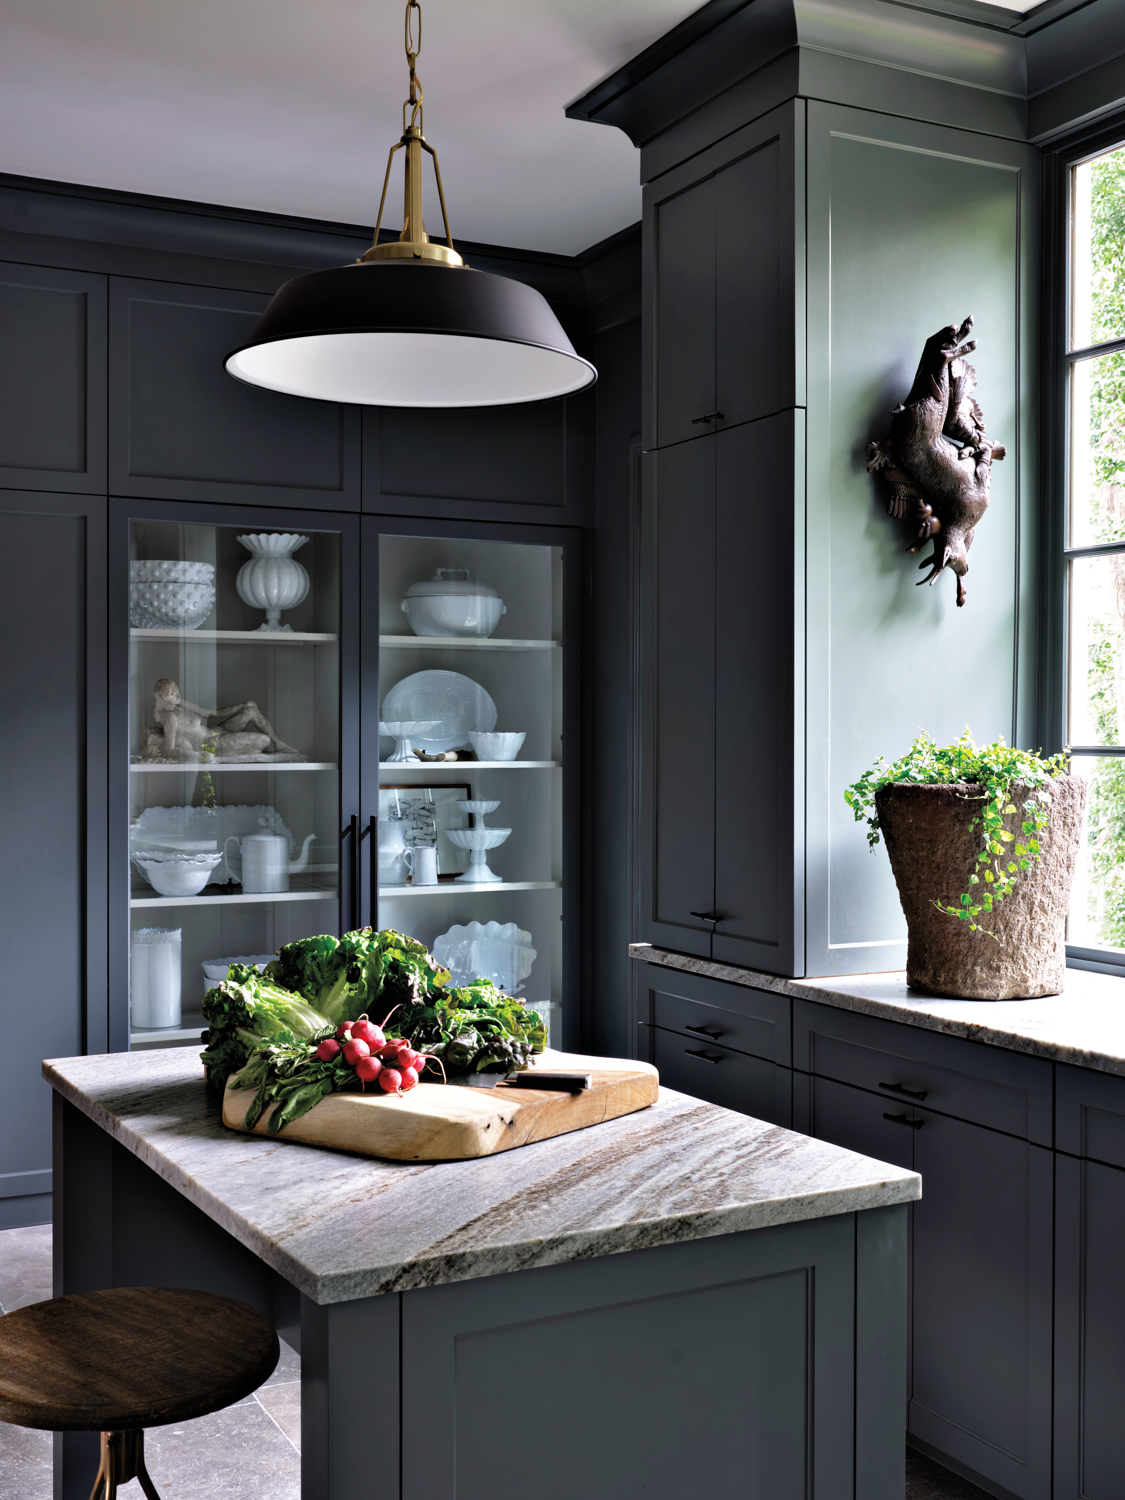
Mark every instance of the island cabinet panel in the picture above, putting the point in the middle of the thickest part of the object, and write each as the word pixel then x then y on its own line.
pixel 52 379
pixel 720 253
pixel 505 463
pixel 181 428
pixel 755 1330
pixel 980 1277
pixel 720 837
pixel 985 1085
pixel 1089 1328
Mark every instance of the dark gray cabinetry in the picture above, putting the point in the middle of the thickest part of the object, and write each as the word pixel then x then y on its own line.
pixel 508 463
pixel 719 1042
pixel 52 379
pixel 52 819
pixel 1089 1288
pixel 719 269
pixel 720 864
pixel 968 1119
pixel 182 429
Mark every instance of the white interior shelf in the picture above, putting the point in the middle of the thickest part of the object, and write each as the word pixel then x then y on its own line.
pixel 469 765
pixel 191 1026
pixel 459 643
pixel 195 767
pixel 243 637
pixel 254 899
pixel 453 887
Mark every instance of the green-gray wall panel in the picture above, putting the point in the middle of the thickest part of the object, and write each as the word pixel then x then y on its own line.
pixel 910 227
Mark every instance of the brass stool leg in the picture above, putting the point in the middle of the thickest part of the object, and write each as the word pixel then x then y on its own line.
pixel 122 1459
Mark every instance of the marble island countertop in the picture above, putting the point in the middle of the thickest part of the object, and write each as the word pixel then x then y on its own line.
pixel 1084 1026
pixel 339 1227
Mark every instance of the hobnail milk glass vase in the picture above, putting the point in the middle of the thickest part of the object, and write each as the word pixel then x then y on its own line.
pixel 273 579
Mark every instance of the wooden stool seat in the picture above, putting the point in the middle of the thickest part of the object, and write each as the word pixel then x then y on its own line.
pixel 121 1360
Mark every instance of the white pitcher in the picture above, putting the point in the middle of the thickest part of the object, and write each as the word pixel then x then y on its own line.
pixel 263 862
pixel 392 851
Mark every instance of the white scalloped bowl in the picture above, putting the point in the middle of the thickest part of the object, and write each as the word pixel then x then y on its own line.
pixel 158 605
pixel 177 874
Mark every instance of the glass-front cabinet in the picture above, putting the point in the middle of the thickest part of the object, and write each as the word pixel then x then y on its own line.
pixel 471 726
pixel 234 755
pixel 320 721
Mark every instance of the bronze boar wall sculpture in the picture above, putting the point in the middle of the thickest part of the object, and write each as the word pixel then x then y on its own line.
pixel 936 459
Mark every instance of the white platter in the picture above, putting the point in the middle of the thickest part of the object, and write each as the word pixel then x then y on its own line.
pixel 487 950
pixel 455 701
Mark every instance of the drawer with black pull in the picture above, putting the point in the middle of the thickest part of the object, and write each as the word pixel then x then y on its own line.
pixel 718 1074
pixel 914 1067
pixel 709 1010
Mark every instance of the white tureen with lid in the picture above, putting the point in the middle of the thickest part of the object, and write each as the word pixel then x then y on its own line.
pixel 452 603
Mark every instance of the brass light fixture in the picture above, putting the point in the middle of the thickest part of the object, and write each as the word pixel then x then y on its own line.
pixel 409 324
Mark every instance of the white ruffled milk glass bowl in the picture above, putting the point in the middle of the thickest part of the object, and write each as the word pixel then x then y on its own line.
pixel 453 603
pixel 273 579
pixel 176 874
pixel 496 746
pixel 168 595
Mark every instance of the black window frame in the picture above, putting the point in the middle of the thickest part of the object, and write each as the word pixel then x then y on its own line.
pixel 1093 140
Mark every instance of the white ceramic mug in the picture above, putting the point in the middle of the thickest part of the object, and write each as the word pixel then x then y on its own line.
pixel 422 862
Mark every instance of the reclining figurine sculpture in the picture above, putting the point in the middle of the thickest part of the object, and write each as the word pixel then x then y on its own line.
pixel 186 732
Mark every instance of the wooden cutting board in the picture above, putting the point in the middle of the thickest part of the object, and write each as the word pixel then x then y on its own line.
pixel 434 1122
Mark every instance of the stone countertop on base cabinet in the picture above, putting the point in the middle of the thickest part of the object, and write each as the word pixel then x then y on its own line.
pixel 339 1226
pixel 1084 1026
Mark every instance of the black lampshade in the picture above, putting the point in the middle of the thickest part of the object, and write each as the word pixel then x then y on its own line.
pixel 410 333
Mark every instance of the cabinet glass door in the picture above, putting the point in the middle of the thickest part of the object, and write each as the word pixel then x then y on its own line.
pixel 470 849
pixel 234 752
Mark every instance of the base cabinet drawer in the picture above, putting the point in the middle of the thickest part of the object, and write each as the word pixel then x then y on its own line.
pixel 1089 1330
pixel 980 1278
pixel 734 1015
pixel 705 1070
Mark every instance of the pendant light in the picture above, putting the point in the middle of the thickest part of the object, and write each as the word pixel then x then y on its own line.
pixel 409 324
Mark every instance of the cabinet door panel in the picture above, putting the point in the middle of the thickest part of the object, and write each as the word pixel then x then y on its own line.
pixel 1090 1114
pixel 706 1071
pixel 749 365
pixel 181 428
pixel 679 675
pixel 52 379
pixel 745 1019
pixel 683 246
pixel 1089 1330
pixel 982 1303
pixel 755 852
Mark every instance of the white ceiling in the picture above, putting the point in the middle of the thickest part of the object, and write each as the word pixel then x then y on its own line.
pixel 290 106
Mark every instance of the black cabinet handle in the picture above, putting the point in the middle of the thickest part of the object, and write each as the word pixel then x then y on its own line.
pixel 897 1088
pixel 707 916
pixel 710 417
pixel 902 1120
pixel 703 1056
pixel 705 1031
pixel 352 832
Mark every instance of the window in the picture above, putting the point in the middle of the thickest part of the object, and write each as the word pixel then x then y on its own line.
pixel 1094 549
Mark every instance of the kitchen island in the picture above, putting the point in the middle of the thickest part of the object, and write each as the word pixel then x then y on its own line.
pixel 681 1298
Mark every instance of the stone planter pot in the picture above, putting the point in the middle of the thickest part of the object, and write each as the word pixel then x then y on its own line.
pixel 933 851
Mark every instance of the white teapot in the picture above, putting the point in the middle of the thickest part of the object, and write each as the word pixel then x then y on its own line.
pixel 263 864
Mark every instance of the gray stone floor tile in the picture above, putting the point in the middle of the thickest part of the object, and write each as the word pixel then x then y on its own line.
pixel 25 1460
pixel 236 1454
pixel 926 1480
pixel 25 1266
pixel 283 1403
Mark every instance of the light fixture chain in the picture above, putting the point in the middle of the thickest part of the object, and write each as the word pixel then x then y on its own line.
pixel 414 103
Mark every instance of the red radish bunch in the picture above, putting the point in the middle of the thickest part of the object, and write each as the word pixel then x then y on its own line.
pixel 397 1065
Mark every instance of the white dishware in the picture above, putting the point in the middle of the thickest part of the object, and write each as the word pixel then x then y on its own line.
pixel 454 702
pixel 502 953
pixel 451 603
pixel 215 969
pixel 273 579
pixel 200 829
pixel 496 746
pixel 478 808
pixel 393 868
pixel 176 874
pixel 170 595
pixel 155 978
pixel 421 860
pixel 479 841
pixel 400 730
pixel 263 864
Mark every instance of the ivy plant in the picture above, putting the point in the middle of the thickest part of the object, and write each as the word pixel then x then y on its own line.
pixel 988 772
